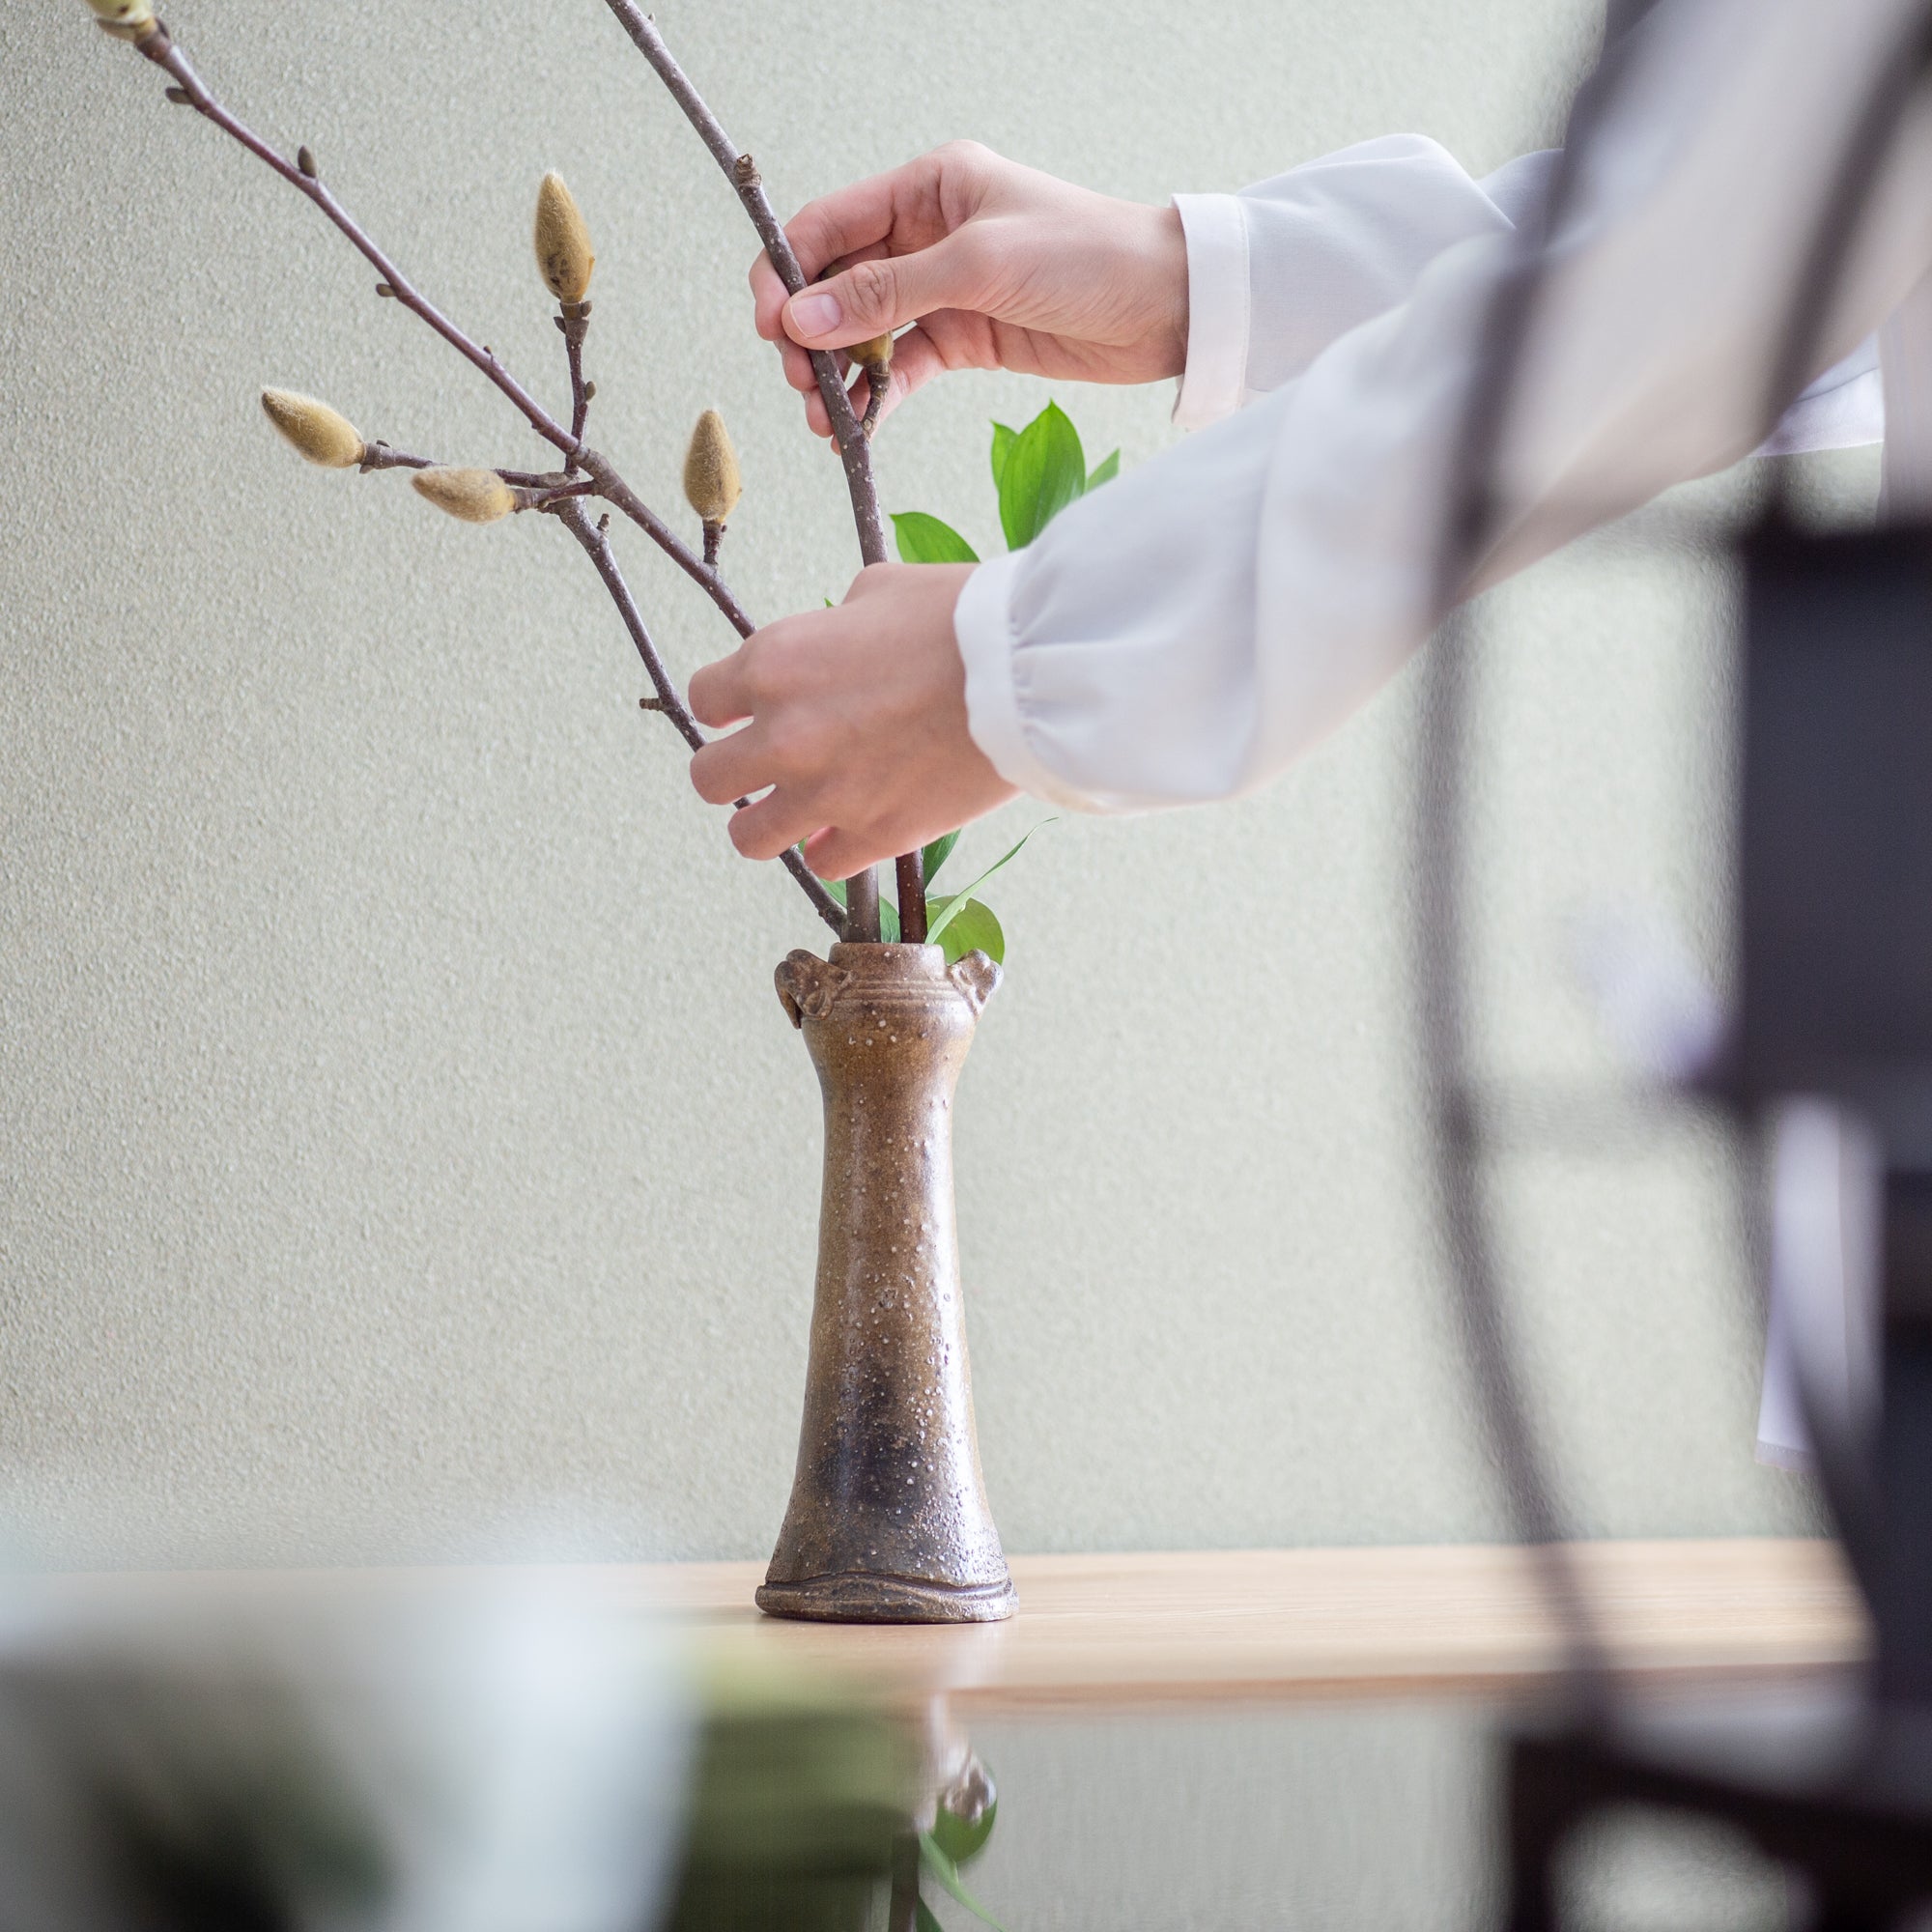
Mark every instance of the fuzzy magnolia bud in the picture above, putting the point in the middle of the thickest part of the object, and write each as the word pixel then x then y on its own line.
pixel 876 353
pixel 562 241
pixel 128 20
pixel 472 495
pixel 320 433
pixel 712 485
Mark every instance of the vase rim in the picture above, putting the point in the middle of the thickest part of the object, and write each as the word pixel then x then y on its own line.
pixel 886 952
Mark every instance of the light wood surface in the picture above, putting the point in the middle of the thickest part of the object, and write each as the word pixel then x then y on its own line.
pixel 1288 1623
pixel 1095 1631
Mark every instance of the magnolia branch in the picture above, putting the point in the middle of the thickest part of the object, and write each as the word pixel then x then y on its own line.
pixel 559 493
pixel 597 547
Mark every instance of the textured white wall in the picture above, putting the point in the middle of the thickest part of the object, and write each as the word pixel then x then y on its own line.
pixel 400 1137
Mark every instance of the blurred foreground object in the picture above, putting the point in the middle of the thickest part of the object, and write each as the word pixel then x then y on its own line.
pixel 501 1762
pixel 514 1755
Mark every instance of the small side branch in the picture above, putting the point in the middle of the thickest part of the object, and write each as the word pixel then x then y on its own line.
pixel 574 319
pixel 378 455
pixel 616 492
pixel 596 544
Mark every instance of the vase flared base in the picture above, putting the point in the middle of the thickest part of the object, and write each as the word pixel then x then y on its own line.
pixel 862 1597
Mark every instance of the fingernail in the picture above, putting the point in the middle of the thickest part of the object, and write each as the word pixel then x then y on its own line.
pixel 816 314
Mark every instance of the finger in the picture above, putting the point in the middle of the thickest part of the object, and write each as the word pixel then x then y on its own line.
pixel 862 216
pixel 768 298
pixel 798 369
pixel 729 768
pixel 876 297
pixel 720 694
pixel 764 830
pixel 837 853
pixel 769 291
pixel 800 372
pixel 870 579
pixel 855 218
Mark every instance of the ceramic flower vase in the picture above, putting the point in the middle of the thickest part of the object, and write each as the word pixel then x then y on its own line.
pixel 888 1521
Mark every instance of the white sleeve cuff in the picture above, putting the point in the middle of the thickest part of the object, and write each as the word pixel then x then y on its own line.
pixel 982 624
pixel 1215 378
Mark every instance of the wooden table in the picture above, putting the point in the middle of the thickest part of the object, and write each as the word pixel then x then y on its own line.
pixel 1207 1626
pixel 1195 1626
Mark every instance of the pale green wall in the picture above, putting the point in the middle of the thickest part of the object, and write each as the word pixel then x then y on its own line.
pixel 400 1136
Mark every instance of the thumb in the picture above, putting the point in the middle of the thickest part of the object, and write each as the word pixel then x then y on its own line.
pixel 875 298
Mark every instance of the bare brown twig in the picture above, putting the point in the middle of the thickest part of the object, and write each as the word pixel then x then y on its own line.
pixel 546 495
pixel 851 437
pixel 576 519
pixel 378 455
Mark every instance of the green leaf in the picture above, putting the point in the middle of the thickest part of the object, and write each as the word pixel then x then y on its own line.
pixel 937 853
pixel 1105 473
pixel 947 1874
pixel 960 1841
pixel 1003 443
pixel 1045 470
pixel 836 887
pixel 958 902
pixel 971 928
pixel 924 1918
pixel 924 539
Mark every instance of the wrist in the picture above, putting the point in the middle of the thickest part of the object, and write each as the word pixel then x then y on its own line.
pixel 1164 256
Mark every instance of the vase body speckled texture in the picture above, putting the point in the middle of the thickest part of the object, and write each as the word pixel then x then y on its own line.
pixel 888 1521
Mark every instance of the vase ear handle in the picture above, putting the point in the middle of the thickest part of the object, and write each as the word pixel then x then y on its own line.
pixel 977 978
pixel 808 986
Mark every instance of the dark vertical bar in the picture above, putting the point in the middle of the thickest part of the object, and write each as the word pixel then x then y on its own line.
pixel 1902 1601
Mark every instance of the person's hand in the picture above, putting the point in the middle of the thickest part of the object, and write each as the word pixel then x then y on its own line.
pixel 1001 268
pixel 856 724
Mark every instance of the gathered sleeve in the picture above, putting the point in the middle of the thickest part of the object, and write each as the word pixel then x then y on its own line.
pixel 1187 631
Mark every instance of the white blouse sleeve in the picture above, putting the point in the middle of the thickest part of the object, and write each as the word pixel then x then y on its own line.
pixel 1278 271
pixel 1187 631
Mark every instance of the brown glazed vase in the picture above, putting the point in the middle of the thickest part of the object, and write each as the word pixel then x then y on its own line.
pixel 888 1521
